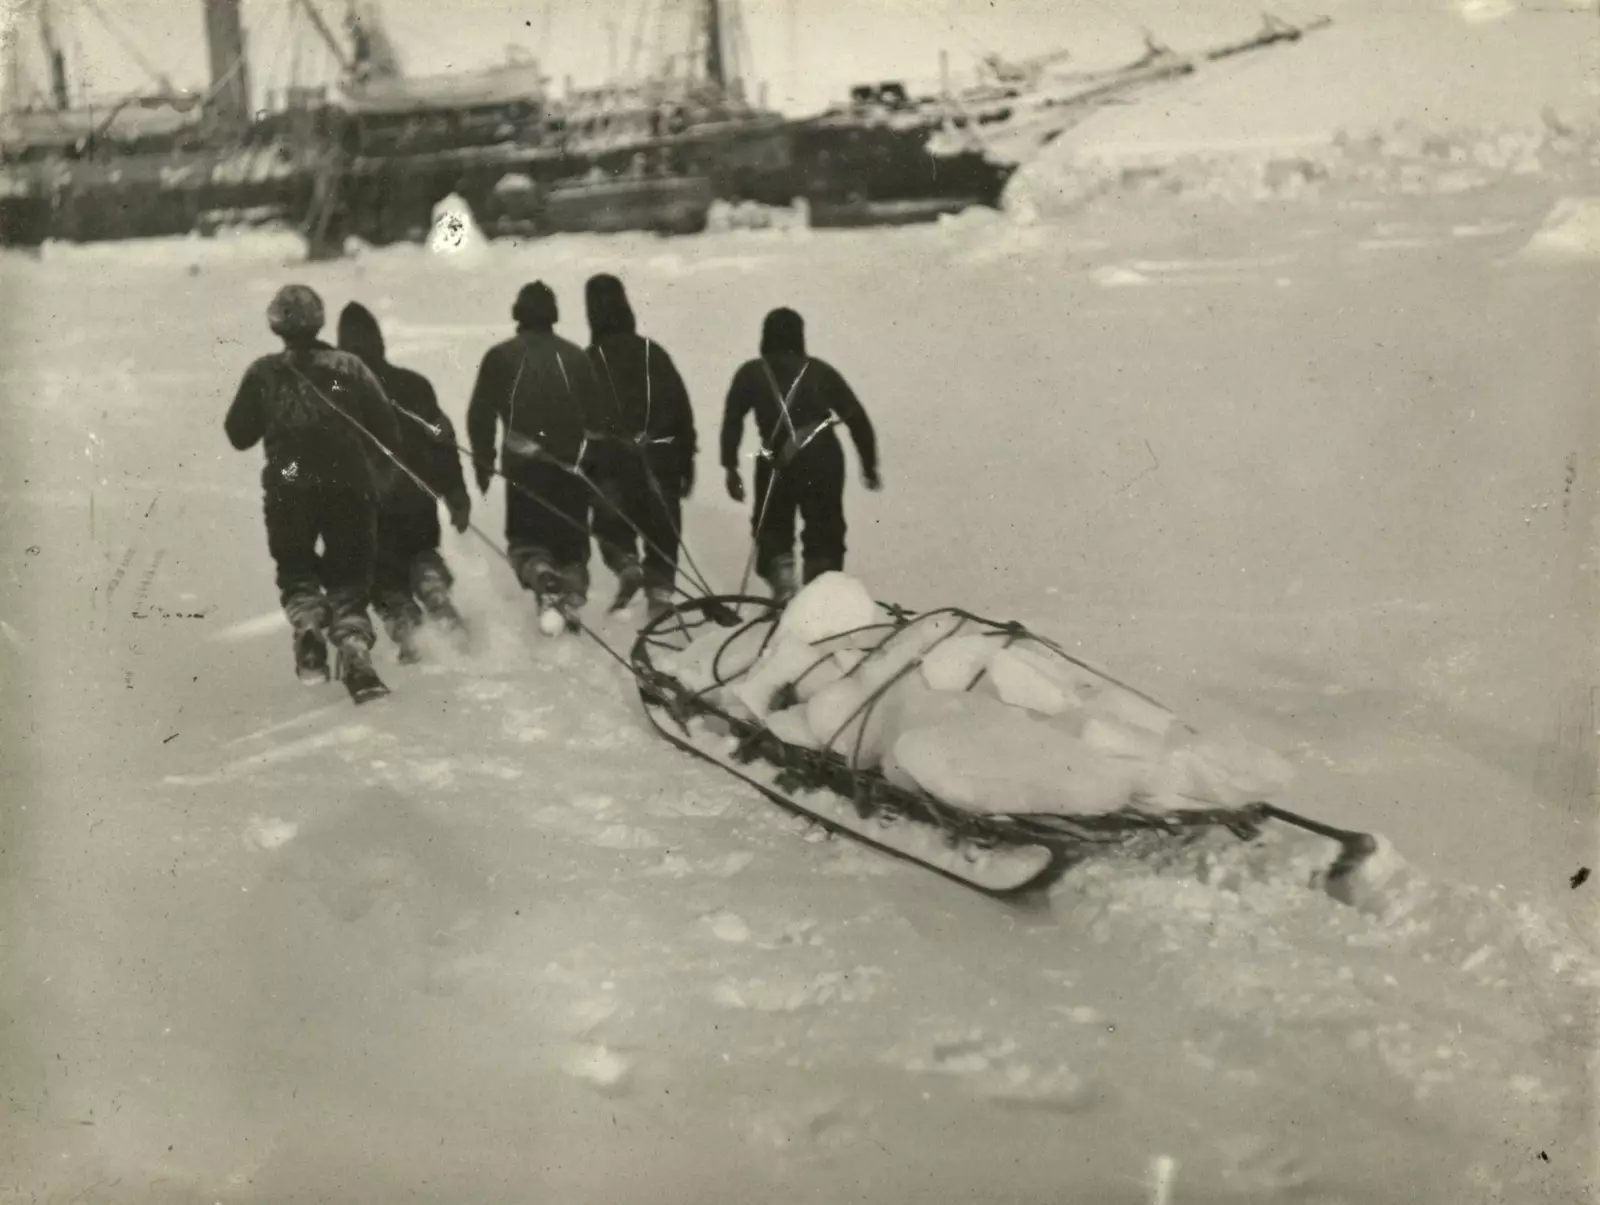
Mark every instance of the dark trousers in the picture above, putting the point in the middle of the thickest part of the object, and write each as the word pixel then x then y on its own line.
pixel 640 508
pixel 548 535
pixel 327 593
pixel 409 569
pixel 811 489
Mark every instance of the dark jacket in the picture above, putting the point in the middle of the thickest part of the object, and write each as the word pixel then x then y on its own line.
pixel 427 439
pixel 645 403
pixel 541 388
pixel 304 405
pixel 823 393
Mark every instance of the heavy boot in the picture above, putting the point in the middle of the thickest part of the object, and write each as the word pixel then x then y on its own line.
pixel 433 588
pixel 310 657
pixel 781 577
pixel 630 577
pixel 357 674
pixel 402 628
pixel 558 607
pixel 658 601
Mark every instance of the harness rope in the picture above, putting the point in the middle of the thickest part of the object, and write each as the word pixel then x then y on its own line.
pixel 796 444
pixel 502 553
pixel 534 451
pixel 643 442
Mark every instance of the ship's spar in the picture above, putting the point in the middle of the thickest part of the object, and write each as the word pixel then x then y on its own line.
pixel 371 150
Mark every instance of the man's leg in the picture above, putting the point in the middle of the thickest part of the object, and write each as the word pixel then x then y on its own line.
pixel 350 536
pixel 291 521
pixel 822 512
pixel 613 526
pixel 772 527
pixel 548 537
pixel 660 513
pixel 568 538
pixel 391 581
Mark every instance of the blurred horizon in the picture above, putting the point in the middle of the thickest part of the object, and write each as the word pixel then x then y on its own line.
pixel 806 52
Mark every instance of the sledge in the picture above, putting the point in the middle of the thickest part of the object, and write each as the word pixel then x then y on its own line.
pixel 704 666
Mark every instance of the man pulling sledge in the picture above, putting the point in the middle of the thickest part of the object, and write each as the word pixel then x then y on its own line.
pixel 409 569
pixel 797 400
pixel 646 468
pixel 542 390
pixel 324 421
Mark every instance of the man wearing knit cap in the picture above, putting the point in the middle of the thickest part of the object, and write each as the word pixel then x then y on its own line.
pixel 797 400
pixel 324 422
pixel 645 467
pixel 409 568
pixel 543 392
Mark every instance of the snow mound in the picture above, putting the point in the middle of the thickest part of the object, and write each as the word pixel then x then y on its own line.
pixel 829 606
pixel 1572 231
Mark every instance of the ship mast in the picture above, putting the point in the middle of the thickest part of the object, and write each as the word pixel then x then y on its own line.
pixel 716 67
pixel 230 71
pixel 55 58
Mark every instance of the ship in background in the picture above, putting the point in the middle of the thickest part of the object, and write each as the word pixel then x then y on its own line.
pixel 162 160
pixel 364 150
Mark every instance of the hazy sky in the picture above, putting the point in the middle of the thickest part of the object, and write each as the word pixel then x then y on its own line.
pixel 808 51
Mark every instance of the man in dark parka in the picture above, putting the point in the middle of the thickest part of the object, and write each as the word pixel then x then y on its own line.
pixel 542 391
pixel 409 567
pixel 797 400
pixel 645 467
pixel 323 420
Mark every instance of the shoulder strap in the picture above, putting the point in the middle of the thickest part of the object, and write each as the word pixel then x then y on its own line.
pixel 785 399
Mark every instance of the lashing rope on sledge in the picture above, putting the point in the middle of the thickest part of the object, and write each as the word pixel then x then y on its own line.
pixel 835 763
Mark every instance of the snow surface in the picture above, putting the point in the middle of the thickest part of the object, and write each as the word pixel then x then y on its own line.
pixel 1420 98
pixel 1326 475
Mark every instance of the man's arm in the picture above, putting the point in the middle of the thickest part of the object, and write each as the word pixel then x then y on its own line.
pixel 843 402
pixel 734 410
pixel 246 421
pixel 674 396
pixel 482 417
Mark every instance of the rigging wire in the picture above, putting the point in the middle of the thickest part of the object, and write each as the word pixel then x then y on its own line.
pixel 157 77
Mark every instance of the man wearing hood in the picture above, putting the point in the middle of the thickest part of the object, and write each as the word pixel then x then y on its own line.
pixel 645 467
pixel 324 421
pixel 409 567
pixel 796 400
pixel 542 390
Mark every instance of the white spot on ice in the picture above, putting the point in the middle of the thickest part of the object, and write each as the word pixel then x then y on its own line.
pixel 728 927
pixel 349 734
pixel 1572 231
pixel 249 629
pixel 596 1065
pixel 626 836
pixel 1113 277
pixel 271 834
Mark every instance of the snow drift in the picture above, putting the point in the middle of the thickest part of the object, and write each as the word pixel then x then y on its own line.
pixel 1410 103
